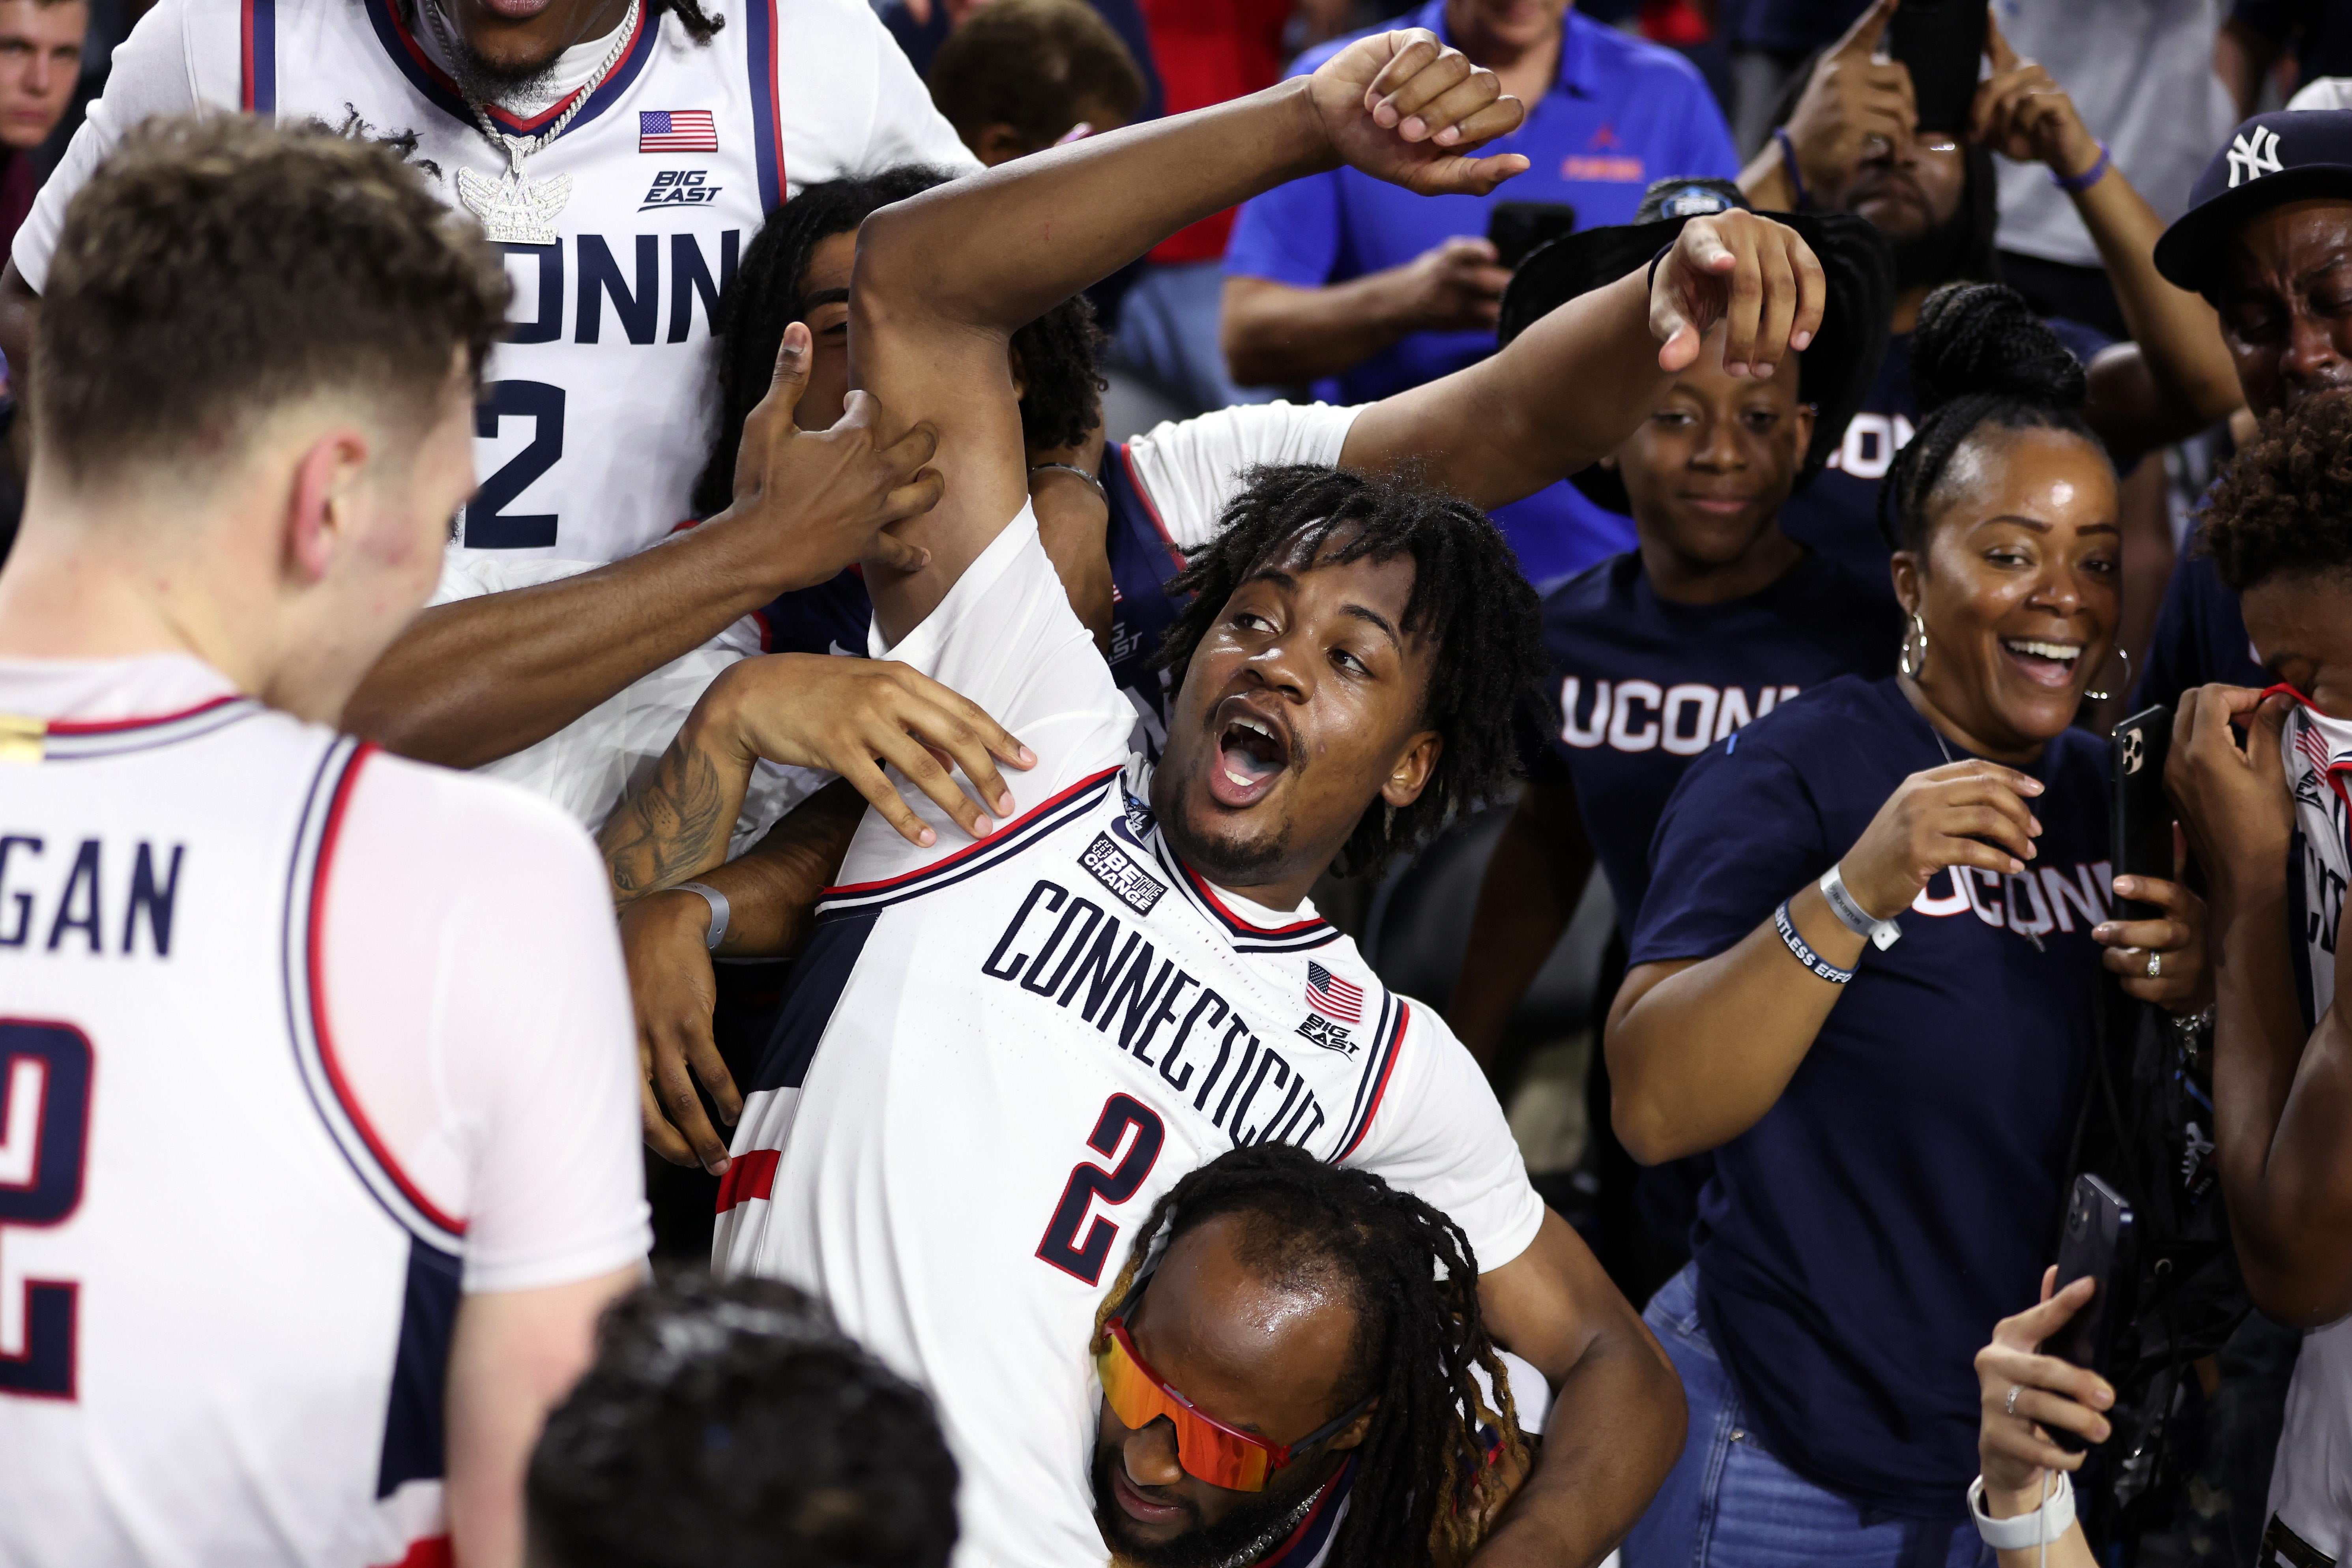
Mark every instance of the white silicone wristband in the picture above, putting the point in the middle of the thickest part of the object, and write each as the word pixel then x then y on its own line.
pixel 1881 934
pixel 2042 1527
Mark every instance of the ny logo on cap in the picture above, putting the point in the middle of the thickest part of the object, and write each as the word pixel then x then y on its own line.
pixel 2252 155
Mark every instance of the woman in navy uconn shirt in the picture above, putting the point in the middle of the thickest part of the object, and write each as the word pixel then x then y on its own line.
pixel 1863 976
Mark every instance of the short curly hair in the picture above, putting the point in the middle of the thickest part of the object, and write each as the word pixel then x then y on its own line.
pixel 2283 507
pixel 728 1423
pixel 216 269
pixel 1488 695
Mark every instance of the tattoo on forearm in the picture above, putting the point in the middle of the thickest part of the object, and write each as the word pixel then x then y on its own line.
pixel 662 834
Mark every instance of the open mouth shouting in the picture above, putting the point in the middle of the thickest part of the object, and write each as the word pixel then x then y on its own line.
pixel 2045 663
pixel 1254 749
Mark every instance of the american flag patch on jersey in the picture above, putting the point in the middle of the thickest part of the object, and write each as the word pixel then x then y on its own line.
pixel 1332 997
pixel 677 130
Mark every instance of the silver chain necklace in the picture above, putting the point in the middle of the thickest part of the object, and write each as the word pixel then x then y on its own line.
pixel 513 210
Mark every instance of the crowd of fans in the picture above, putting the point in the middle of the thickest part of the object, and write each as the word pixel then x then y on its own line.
pixel 1067 554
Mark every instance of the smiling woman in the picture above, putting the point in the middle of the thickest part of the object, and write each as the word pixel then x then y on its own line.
pixel 1889 1084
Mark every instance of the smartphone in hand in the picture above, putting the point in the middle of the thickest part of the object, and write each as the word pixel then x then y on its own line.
pixel 2141 821
pixel 2100 1244
pixel 1941 43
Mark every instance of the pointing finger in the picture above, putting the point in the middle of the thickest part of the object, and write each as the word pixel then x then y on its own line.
pixel 1862 39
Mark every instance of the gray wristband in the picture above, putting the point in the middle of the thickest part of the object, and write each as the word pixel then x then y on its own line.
pixel 1881 934
pixel 720 912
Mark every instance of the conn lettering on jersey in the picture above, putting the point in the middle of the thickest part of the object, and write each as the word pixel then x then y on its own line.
pixel 1082 963
pixel 1643 716
pixel 651 287
pixel 55 899
pixel 2029 903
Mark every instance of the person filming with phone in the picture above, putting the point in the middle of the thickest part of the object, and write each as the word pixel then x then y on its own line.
pixel 1864 976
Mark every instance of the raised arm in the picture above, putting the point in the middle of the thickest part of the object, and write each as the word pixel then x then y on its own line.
pixel 2176 376
pixel 1570 389
pixel 943 281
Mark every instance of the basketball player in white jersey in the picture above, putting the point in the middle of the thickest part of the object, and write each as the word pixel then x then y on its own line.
pixel 2269 823
pixel 317 1156
pixel 947 1137
pixel 619 153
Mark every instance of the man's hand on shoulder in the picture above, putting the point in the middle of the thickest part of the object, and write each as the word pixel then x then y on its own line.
pixel 1757 276
pixel 824 499
pixel 1404 107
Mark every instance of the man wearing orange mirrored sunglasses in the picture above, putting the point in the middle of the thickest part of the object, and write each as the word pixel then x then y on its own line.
pixel 1296 1374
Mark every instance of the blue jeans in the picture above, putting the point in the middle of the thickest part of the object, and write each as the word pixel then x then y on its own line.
pixel 1727 1503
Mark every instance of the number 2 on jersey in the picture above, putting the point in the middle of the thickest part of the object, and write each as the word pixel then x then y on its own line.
pixel 1061 1247
pixel 45 1079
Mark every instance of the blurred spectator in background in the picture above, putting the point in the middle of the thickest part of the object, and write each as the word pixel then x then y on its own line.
pixel 2264 240
pixel 1851 141
pixel 1659 653
pixel 1769 42
pixel 40 61
pixel 731 1423
pixel 2141 72
pixel 1021 75
pixel 1366 289
pixel 921 26
pixel 2314 38
pixel 1208 51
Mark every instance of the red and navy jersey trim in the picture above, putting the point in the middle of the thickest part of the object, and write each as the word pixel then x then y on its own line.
pixel 304 968
pixel 1304 1546
pixel 767 127
pixel 1021 832
pixel 392 30
pixel 1379 1062
pixel 256 87
pixel 1298 936
pixel 86 740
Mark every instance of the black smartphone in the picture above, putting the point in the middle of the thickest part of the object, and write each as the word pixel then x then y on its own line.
pixel 1516 228
pixel 2100 1244
pixel 2141 821
pixel 1940 42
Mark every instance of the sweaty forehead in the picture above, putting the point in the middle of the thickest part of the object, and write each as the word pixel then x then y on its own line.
pixel 1253 1351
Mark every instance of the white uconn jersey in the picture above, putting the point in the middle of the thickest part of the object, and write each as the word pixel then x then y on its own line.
pixel 596 409
pixel 993 1064
pixel 2311 1487
pixel 223 1318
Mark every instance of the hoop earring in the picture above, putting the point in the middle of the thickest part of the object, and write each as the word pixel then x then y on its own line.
pixel 2103 696
pixel 1904 659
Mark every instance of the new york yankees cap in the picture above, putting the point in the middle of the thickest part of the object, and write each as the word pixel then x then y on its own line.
pixel 2286 155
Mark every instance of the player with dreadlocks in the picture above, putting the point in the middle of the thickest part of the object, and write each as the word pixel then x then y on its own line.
pixel 991 1052
pixel 620 153
pixel 1295 1371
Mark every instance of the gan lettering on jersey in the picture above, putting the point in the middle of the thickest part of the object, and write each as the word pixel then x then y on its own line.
pixel 1082 963
pixel 59 897
pixel 1643 716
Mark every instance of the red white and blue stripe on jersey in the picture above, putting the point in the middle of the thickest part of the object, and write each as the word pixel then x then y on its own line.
pixel 74 739
pixel 1293 936
pixel 258 80
pixel 1038 822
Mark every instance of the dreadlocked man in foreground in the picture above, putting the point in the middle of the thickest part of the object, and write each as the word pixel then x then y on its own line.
pixel 994 1057
pixel 1294 1372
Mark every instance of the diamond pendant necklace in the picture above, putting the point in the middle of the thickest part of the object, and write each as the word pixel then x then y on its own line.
pixel 513 210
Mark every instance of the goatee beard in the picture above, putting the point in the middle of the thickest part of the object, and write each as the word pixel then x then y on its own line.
pixel 1240 1539
pixel 486 81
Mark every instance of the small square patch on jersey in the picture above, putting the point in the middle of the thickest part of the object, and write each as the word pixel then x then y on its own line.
pixel 22 738
pixel 1129 883
pixel 677 130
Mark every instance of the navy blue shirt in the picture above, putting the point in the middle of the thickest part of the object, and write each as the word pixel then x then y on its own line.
pixel 1837 513
pixel 2200 638
pixel 1647 685
pixel 1857 1245
pixel 1621 113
